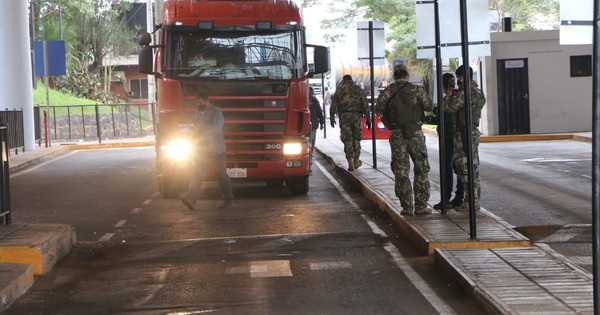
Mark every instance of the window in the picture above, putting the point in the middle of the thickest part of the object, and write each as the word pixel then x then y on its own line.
pixel 581 66
pixel 228 55
pixel 139 87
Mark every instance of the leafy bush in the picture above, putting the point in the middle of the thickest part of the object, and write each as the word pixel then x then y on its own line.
pixel 81 83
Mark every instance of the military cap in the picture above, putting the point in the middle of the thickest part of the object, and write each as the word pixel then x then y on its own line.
pixel 400 66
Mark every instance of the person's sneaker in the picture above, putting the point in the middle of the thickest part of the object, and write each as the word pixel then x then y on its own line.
pixel 227 205
pixel 188 203
pixel 456 202
pixel 406 212
pixel 425 210
pixel 438 206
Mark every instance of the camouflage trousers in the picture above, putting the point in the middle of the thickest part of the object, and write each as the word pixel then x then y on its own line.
pixel 413 196
pixel 462 169
pixel 351 133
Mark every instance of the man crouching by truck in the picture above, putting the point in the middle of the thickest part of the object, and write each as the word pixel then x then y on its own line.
pixel 209 151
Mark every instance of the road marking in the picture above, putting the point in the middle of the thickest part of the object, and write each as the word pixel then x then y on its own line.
pixel 270 269
pixel 564 171
pixel 162 276
pixel 545 160
pixel 429 294
pixel 587 176
pixel 136 211
pixel 120 223
pixel 330 265
pixel 147 201
pixel 264 269
pixel 106 237
pixel 156 194
pixel 347 197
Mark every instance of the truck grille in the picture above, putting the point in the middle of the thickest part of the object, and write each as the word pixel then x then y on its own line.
pixel 255 119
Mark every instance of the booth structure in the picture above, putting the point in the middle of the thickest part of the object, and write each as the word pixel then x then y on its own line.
pixel 533 85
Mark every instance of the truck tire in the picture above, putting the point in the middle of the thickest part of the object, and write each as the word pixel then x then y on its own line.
pixel 297 186
pixel 169 188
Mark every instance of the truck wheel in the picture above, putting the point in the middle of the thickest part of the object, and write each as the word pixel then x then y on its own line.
pixel 169 188
pixel 298 186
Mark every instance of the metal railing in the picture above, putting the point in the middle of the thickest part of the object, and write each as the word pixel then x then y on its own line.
pixel 97 121
pixel 5 217
pixel 12 120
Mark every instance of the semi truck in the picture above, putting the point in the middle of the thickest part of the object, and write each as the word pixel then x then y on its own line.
pixel 252 56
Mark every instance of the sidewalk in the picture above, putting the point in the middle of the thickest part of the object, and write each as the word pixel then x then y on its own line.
pixel 501 268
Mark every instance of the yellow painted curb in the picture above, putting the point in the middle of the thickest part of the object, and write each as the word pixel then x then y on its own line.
pixel 74 147
pixel 27 254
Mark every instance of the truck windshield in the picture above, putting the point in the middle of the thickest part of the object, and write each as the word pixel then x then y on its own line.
pixel 224 55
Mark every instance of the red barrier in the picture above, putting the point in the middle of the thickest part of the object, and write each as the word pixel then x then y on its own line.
pixel 381 133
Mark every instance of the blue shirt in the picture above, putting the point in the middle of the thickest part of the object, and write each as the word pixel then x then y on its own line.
pixel 208 128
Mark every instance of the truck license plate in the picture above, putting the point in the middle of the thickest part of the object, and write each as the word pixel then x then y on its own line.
pixel 237 172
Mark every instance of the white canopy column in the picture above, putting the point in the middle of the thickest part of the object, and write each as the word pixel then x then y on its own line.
pixel 16 91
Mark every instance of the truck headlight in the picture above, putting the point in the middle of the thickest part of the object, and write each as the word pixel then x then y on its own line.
pixel 179 149
pixel 293 148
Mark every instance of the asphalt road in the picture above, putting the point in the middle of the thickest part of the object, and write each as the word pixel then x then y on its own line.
pixel 329 252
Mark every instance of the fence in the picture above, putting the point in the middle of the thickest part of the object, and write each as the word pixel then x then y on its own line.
pixel 12 120
pixel 98 121
pixel 4 177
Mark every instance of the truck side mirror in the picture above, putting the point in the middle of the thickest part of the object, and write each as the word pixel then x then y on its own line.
pixel 145 60
pixel 321 59
pixel 145 54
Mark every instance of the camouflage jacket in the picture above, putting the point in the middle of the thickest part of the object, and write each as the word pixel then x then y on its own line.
pixel 414 93
pixel 456 104
pixel 349 98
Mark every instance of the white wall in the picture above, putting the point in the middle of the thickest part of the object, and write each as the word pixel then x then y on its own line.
pixel 557 102
pixel 16 90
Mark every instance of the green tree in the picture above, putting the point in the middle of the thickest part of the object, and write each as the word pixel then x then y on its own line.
pixel 399 16
pixel 92 29
pixel 528 14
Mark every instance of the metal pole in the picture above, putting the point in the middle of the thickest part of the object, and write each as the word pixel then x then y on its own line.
pixel 98 127
pixel 372 66
pixel 47 83
pixel 469 130
pixel 323 105
pixel 595 157
pixel 440 109
pixel 60 19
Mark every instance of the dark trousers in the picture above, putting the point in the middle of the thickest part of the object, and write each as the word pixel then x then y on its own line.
pixel 450 170
pixel 201 164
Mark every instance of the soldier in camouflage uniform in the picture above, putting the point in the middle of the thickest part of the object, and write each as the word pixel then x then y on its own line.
pixel 455 103
pixel 350 103
pixel 401 106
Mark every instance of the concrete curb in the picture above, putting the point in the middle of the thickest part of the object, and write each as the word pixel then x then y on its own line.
pixel 17 167
pixel 526 137
pixel 110 145
pixel 15 280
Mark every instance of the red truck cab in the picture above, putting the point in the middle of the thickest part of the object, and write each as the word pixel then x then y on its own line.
pixel 252 56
